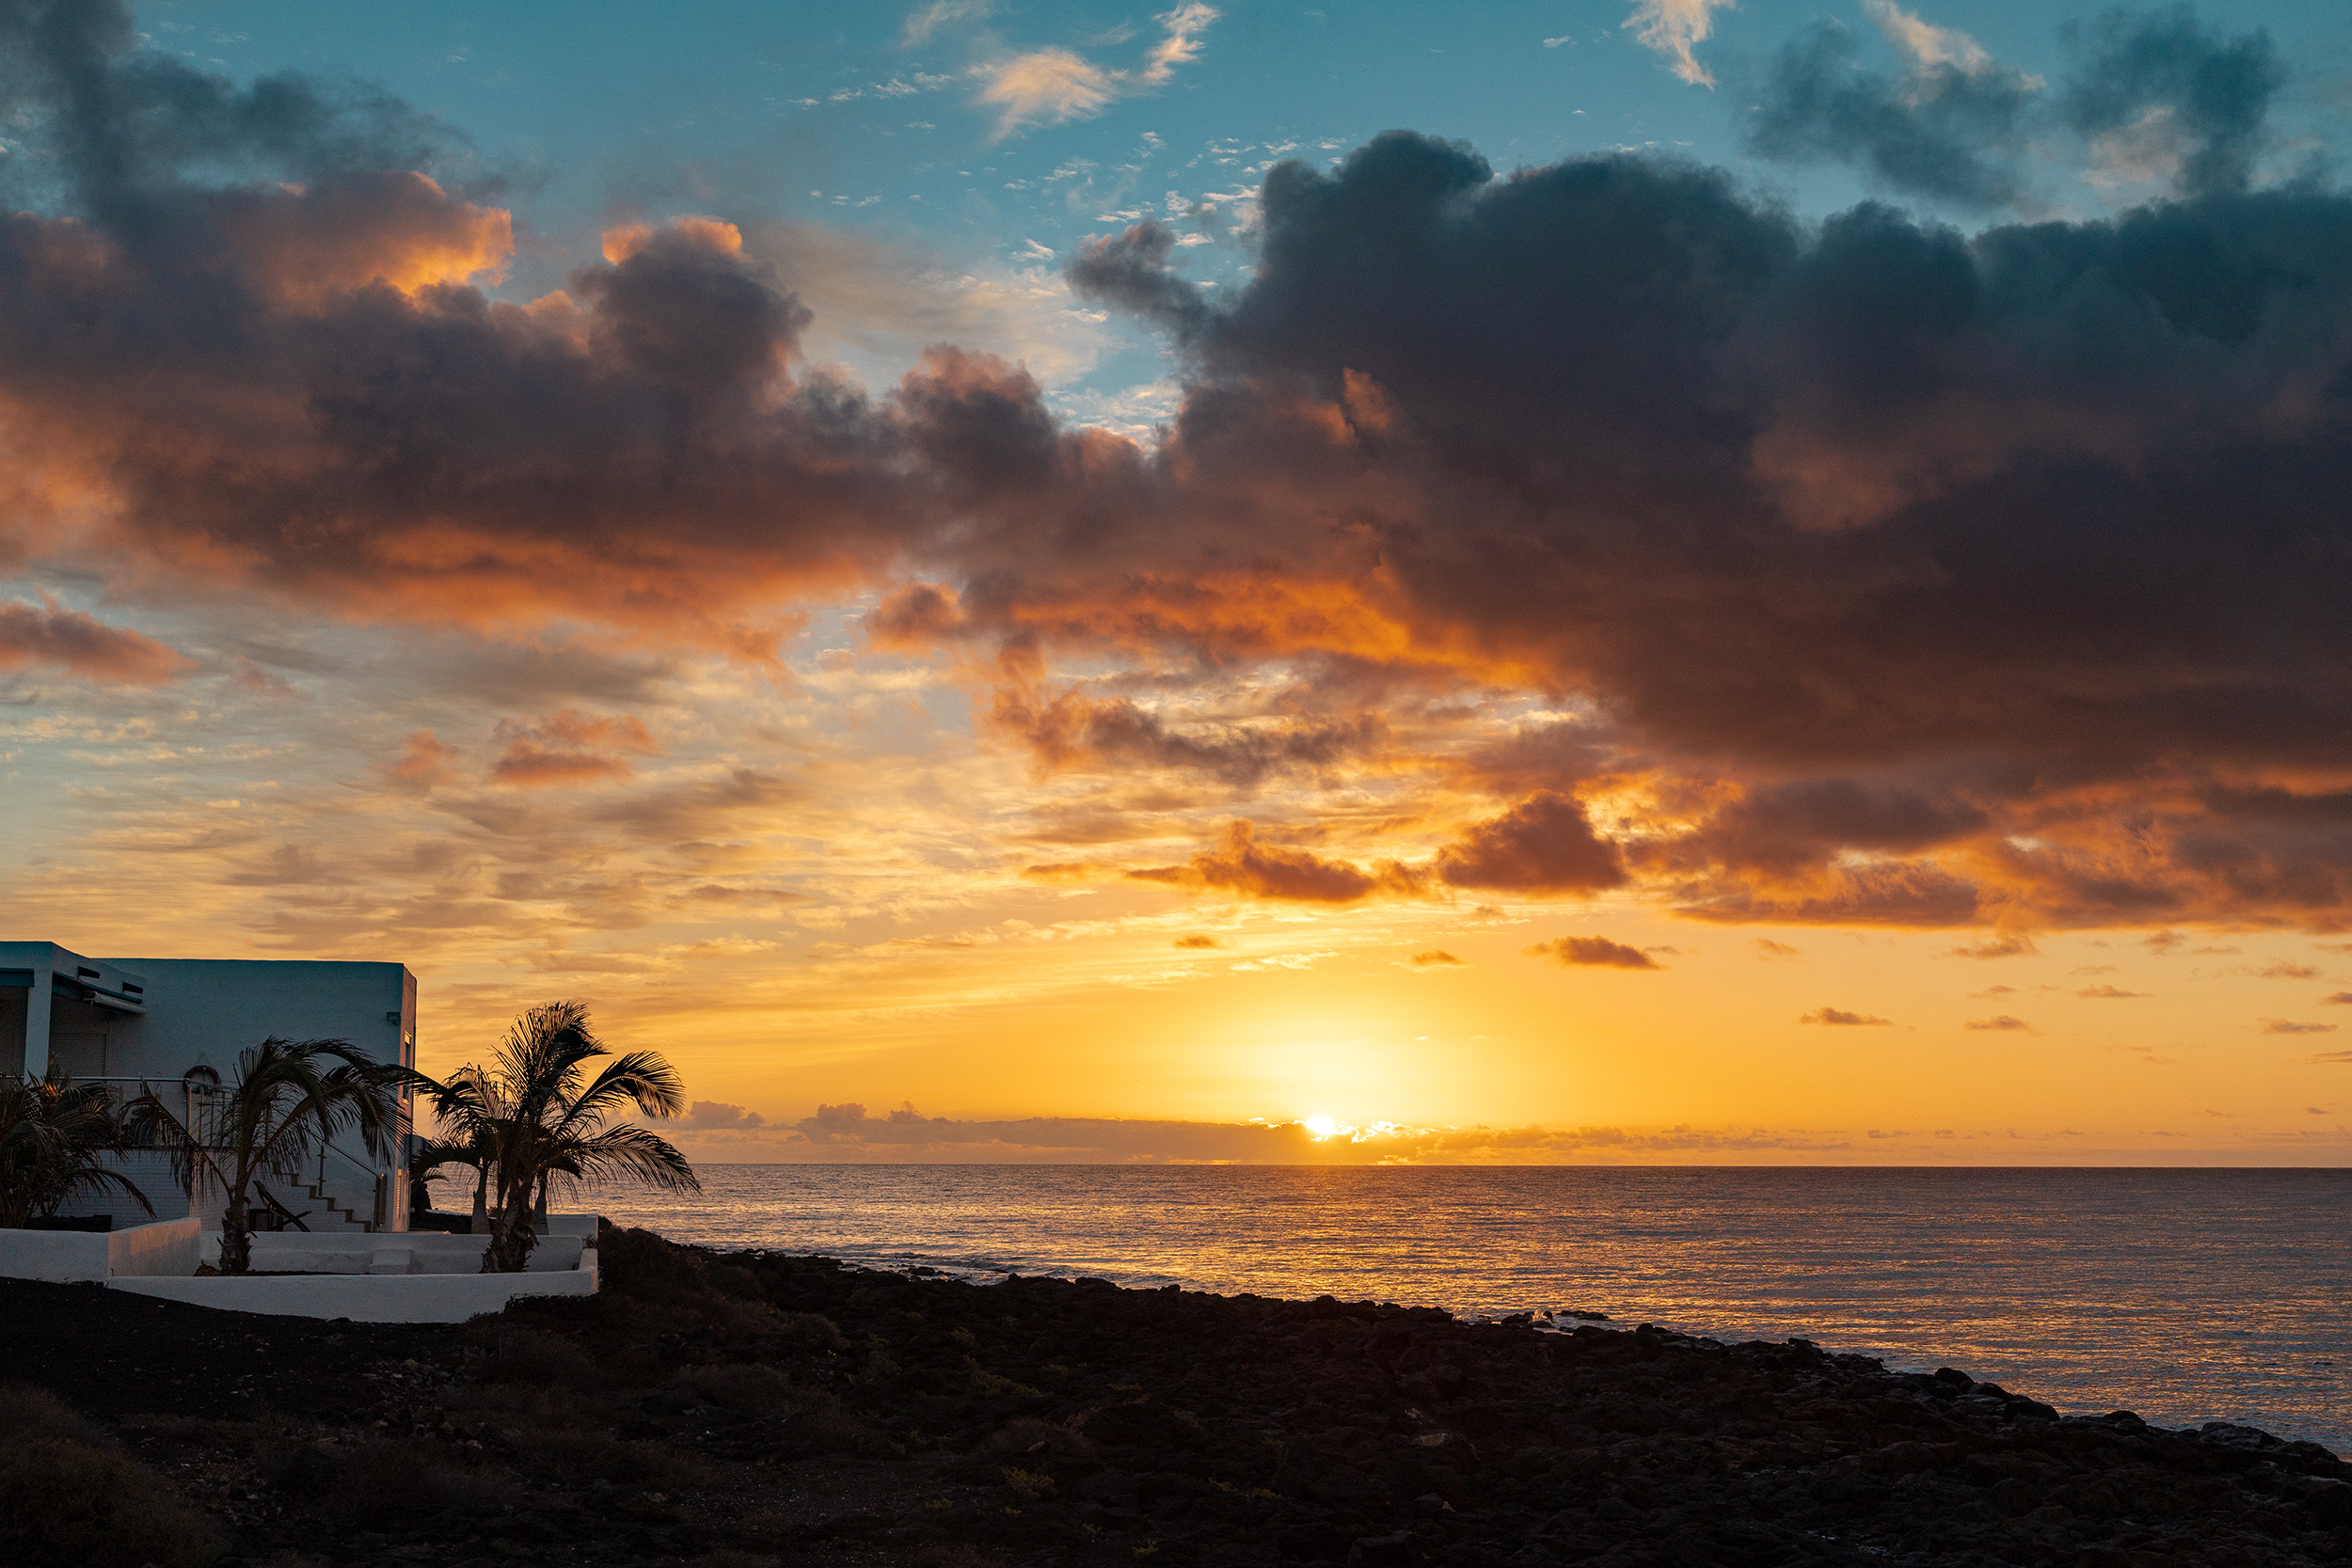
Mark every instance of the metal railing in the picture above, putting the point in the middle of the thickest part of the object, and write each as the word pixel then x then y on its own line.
pixel 204 1112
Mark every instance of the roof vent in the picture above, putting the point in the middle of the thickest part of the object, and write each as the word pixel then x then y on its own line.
pixel 85 975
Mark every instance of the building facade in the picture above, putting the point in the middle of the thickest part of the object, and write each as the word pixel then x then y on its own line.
pixel 176 1025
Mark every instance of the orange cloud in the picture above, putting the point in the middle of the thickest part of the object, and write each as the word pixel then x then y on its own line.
pixel 1839 1017
pixel 1591 951
pixel 82 645
pixel 426 762
pixel 1543 846
pixel 570 747
pixel 712 234
pixel 1466 467
pixel 397 227
pixel 1241 865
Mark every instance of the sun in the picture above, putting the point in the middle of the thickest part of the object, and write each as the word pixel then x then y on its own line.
pixel 1321 1126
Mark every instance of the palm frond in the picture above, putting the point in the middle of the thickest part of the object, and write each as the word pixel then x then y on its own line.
pixel 635 1153
pixel 643 1078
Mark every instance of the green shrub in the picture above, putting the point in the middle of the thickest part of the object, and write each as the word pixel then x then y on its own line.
pixel 68 1498
pixel 1028 1485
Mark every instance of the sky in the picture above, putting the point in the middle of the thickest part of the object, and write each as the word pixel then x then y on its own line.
pixel 1642 582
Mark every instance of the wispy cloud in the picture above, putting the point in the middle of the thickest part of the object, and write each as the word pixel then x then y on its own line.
pixel 1671 28
pixel 1928 45
pixel 925 21
pixel 1054 85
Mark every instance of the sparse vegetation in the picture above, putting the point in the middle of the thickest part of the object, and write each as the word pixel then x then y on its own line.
pixel 55 1135
pixel 70 1498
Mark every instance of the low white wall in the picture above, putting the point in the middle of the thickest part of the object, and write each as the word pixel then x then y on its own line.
pixel 166 1247
pixel 66 1255
pixel 430 1298
pixel 394 1278
pixel 390 1252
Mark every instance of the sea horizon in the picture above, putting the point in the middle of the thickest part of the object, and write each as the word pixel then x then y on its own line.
pixel 2185 1295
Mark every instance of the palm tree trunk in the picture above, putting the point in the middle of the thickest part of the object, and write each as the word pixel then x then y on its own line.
pixel 480 1226
pixel 511 1235
pixel 539 1209
pixel 236 1236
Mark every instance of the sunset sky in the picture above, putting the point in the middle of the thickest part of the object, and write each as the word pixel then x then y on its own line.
pixel 1584 582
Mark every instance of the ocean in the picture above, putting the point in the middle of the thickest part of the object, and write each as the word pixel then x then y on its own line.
pixel 2184 1295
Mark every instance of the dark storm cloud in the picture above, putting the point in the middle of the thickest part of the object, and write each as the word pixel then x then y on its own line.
pixel 1545 844
pixel 1891 574
pixel 245 319
pixel 1130 270
pixel 2157 100
pixel 2208 92
pixel 1941 130
pixel 1949 533
pixel 1784 828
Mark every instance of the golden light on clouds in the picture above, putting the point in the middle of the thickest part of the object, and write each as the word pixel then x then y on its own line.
pixel 1516 698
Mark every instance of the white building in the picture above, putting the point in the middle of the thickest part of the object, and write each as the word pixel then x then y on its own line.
pixel 138 1024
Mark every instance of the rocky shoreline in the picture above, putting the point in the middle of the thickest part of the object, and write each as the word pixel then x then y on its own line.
pixel 748 1409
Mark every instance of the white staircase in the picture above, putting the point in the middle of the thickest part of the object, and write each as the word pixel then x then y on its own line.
pixel 327 1207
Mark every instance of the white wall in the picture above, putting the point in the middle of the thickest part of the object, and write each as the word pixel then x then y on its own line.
pixel 166 1248
pixel 58 1255
pixel 415 1252
pixel 169 1247
pixel 209 1009
pixel 417 1298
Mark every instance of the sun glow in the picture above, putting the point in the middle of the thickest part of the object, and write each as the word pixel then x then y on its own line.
pixel 1321 1126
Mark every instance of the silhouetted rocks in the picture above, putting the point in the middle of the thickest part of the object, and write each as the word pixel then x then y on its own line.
pixel 743 1408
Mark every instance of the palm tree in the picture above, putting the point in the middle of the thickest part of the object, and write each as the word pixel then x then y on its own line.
pixel 54 1137
pixel 286 1102
pixel 528 1118
pixel 428 1156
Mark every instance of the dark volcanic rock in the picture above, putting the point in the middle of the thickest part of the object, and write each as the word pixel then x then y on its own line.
pixel 751 1408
